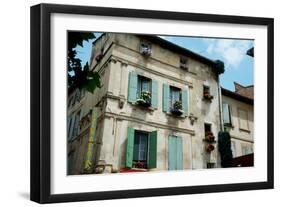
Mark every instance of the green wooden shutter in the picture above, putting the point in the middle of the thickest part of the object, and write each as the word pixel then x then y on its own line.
pixel 132 87
pixel 154 97
pixel 152 162
pixel 130 147
pixel 179 153
pixel 225 110
pixel 185 101
pixel 166 97
pixel 172 164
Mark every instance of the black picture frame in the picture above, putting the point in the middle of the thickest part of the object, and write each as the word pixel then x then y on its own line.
pixel 41 96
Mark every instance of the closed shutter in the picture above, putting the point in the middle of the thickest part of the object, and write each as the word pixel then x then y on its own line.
pixel 130 147
pixel 132 87
pixel 154 97
pixel 179 153
pixel 152 162
pixel 175 153
pixel 185 101
pixel 226 114
pixel 166 98
pixel 172 162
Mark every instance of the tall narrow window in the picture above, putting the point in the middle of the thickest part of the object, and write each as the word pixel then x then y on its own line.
pixel 144 85
pixel 76 124
pixel 207 128
pixel 183 63
pixel 226 114
pixel 140 149
pixel 175 95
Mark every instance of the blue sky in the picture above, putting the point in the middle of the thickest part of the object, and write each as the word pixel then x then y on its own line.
pixel 238 66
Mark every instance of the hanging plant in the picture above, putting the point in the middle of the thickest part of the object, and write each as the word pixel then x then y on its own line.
pixel 210 148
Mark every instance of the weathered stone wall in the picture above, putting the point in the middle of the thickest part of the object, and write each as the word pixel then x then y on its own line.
pixel 240 136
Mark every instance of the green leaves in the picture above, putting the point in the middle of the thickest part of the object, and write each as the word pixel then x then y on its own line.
pixel 91 81
pixel 78 77
pixel 219 66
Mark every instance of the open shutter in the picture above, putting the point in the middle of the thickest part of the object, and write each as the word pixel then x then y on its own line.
pixel 179 153
pixel 154 97
pixel 166 97
pixel 185 101
pixel 130 147
pixel 152 162
pixel 132 87
pixel 226 114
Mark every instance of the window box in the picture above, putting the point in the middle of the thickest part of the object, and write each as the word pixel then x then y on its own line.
pixel 177 108
pixel 145 99
pixel 208 97
pixel 145 49
pixel 209 137
pixel 140 164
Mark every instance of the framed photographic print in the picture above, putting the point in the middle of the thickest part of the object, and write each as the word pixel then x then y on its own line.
pixel 132 103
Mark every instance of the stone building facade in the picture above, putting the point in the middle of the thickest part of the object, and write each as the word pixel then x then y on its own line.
pixel 159 108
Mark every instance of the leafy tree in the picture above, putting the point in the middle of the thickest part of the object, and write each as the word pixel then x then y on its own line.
pixel 79 77
pixel 219 65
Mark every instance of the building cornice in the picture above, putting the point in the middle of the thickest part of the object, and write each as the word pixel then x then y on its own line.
pixel 150 123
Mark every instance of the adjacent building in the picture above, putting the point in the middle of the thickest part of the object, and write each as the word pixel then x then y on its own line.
pixel 238 118
pixel 159 108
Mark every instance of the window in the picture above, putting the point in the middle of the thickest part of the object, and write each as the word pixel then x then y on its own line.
pixel 233 148
pixel 175 100
pixel 243 119
pixel 142 91
pixel 145 49
pixel 207 128
pixel 141 149
pixel 183 64
pixel 206 93
pixel 226 114
pixel 74 126
pixel 175 95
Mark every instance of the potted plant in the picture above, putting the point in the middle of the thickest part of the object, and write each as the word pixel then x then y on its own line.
pixel 177 108
pixel 209 137
pixel 207 95
pixel 210 148
pixel 144 99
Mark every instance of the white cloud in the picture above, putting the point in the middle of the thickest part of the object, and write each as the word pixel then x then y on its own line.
pixel 232 51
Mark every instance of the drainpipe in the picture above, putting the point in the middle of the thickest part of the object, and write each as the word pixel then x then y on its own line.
pixel 220 104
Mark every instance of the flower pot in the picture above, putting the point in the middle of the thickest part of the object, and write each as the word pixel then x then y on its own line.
pixel 177 112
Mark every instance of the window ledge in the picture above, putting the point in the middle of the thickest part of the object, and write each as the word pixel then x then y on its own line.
pixel 183 116
pixel 207 100
pixel 150 108
pixel 205 140
pixel 245 130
